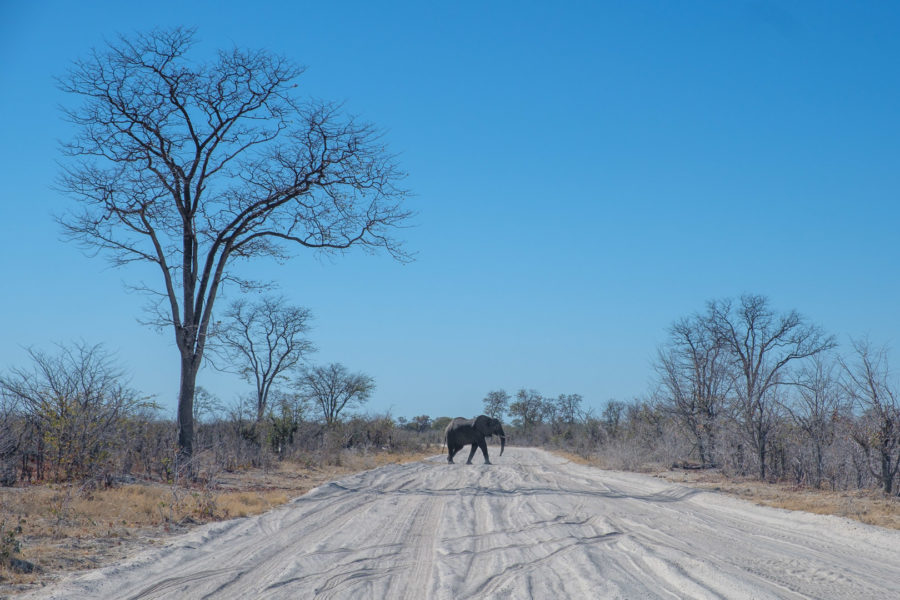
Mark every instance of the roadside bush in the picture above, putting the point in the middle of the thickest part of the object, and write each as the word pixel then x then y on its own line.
pixel 74 402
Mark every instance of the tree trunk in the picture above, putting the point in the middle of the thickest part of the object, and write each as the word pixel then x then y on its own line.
pixel 887 473
pixel 701 450
pixel 711 447
pixel 186 408
pixel 820 459
pixel 261 400
pixel 762 459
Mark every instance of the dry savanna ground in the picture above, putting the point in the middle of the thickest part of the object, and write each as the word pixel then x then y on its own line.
pixel 71 528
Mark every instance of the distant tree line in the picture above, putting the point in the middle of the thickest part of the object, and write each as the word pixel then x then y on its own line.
pixel 738 387
pixel 72 414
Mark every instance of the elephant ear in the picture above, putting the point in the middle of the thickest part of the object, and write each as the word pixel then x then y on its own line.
pixel 483 424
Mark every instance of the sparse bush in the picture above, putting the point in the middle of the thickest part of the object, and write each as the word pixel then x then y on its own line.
pixel 10 545
pixel 74 402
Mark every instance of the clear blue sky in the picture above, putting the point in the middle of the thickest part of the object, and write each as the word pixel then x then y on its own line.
pixel 584 174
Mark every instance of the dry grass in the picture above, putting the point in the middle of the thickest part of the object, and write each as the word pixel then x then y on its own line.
pixel 67 528
pixel 867 506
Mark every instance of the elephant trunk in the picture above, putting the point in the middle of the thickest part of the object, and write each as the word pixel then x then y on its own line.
pixel 502 442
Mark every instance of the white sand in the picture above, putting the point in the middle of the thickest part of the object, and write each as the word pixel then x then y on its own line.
pixel 532 525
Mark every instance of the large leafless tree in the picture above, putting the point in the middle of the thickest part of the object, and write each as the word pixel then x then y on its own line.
pixel 189 165
pixel 762 343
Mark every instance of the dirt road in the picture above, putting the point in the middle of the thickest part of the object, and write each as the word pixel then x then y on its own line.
pixel 532 525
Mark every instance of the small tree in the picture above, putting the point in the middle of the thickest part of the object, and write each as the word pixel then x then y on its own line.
pixel 612 417
pixel 419 424
pixel 207 409
pixel 496 403
pixel 568 408
pixel 285 416
pixel 528 409
pixel 563 412
pixel 262 342
pixel 439 424
pixel 333 389
pixel 868 382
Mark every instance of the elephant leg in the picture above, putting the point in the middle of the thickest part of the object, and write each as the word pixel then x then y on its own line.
pixel 451 452
pixel 472 453
pixel 483 445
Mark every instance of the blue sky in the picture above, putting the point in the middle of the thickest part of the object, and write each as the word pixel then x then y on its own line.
pixel 584 174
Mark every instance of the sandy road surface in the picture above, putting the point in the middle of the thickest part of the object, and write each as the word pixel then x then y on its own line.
pixel 530 526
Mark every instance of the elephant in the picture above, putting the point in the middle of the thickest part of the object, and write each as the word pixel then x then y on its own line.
pixel 462 431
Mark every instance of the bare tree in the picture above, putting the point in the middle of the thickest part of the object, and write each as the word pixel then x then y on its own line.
pixel 496 403
pixel 816 409
pixel 285 416
pixel 612 417
pixel 207 406
pixel 11 436
pixel 563 412
pixel 262 342
pixel 420 423
pixel 568 408
pixel 762 344
pixel 692 369
pixel 190 165
pixel 528 409
pixel 868 382
pixel 208 409
pixel 333 389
